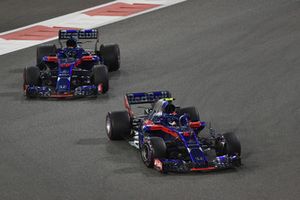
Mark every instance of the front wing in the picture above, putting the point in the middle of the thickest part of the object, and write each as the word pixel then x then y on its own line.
pixel 174 165
pixel 47 92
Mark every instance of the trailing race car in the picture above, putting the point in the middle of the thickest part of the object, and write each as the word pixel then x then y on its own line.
pixel 71 71
pixel 169 138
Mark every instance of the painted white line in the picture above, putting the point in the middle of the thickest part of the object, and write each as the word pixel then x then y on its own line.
pixel 77 20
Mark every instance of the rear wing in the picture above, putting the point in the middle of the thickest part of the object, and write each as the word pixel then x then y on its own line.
pixel 146 97
pixel 81 34
pixel 143 98
pixel 88 34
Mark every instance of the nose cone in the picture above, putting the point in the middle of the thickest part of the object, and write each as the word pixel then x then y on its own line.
pixel 63 84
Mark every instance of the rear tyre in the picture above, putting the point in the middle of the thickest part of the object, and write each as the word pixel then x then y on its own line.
pixel 155 148
pixel 118 125
pixel 191 111
pixel 111 56
pixel 100 76
pixel 44 50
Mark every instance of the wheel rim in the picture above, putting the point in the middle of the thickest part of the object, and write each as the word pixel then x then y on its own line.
pixel 145 154
pixel 108 126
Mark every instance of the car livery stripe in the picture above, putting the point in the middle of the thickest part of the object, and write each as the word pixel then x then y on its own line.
pixel 164 129
pixel 93 17
pixel 204 169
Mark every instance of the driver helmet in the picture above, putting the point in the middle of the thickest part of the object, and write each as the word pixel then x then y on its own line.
pixel 168 107
pixel 71 42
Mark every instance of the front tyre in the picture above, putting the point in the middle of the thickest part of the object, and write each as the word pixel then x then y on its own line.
pixel 118 125
pixel 31 76
pixel 228 144
pixel 100 76
pixel 154 148
pixel 232 144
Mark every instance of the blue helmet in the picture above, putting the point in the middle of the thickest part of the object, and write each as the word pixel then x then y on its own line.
pixel 71 42
pixel 168 107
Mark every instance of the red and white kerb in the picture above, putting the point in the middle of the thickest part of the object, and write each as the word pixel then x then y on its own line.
pixel 97 16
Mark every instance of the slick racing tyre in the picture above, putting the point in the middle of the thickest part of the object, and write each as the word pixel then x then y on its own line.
pixel 31 75
pixel 111 56
pixel 232 144
pixel 152 149
pixel 191 111
pixel 118 125
pixel 100 76
pixel 44 50
pixel 228 145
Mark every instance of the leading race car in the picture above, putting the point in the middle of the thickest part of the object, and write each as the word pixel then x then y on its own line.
pixel 71 71
pixel 169 137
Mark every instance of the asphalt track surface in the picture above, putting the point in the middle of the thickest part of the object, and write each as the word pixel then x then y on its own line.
pixel 237 61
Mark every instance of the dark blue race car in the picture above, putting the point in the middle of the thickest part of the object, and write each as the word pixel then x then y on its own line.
pixel 169 137
pixel 71 71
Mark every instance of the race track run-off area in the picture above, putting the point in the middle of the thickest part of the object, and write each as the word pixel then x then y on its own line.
pixel 236 61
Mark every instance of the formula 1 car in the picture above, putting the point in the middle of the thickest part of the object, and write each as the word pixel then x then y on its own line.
pixel 71 71
pixel 169 137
